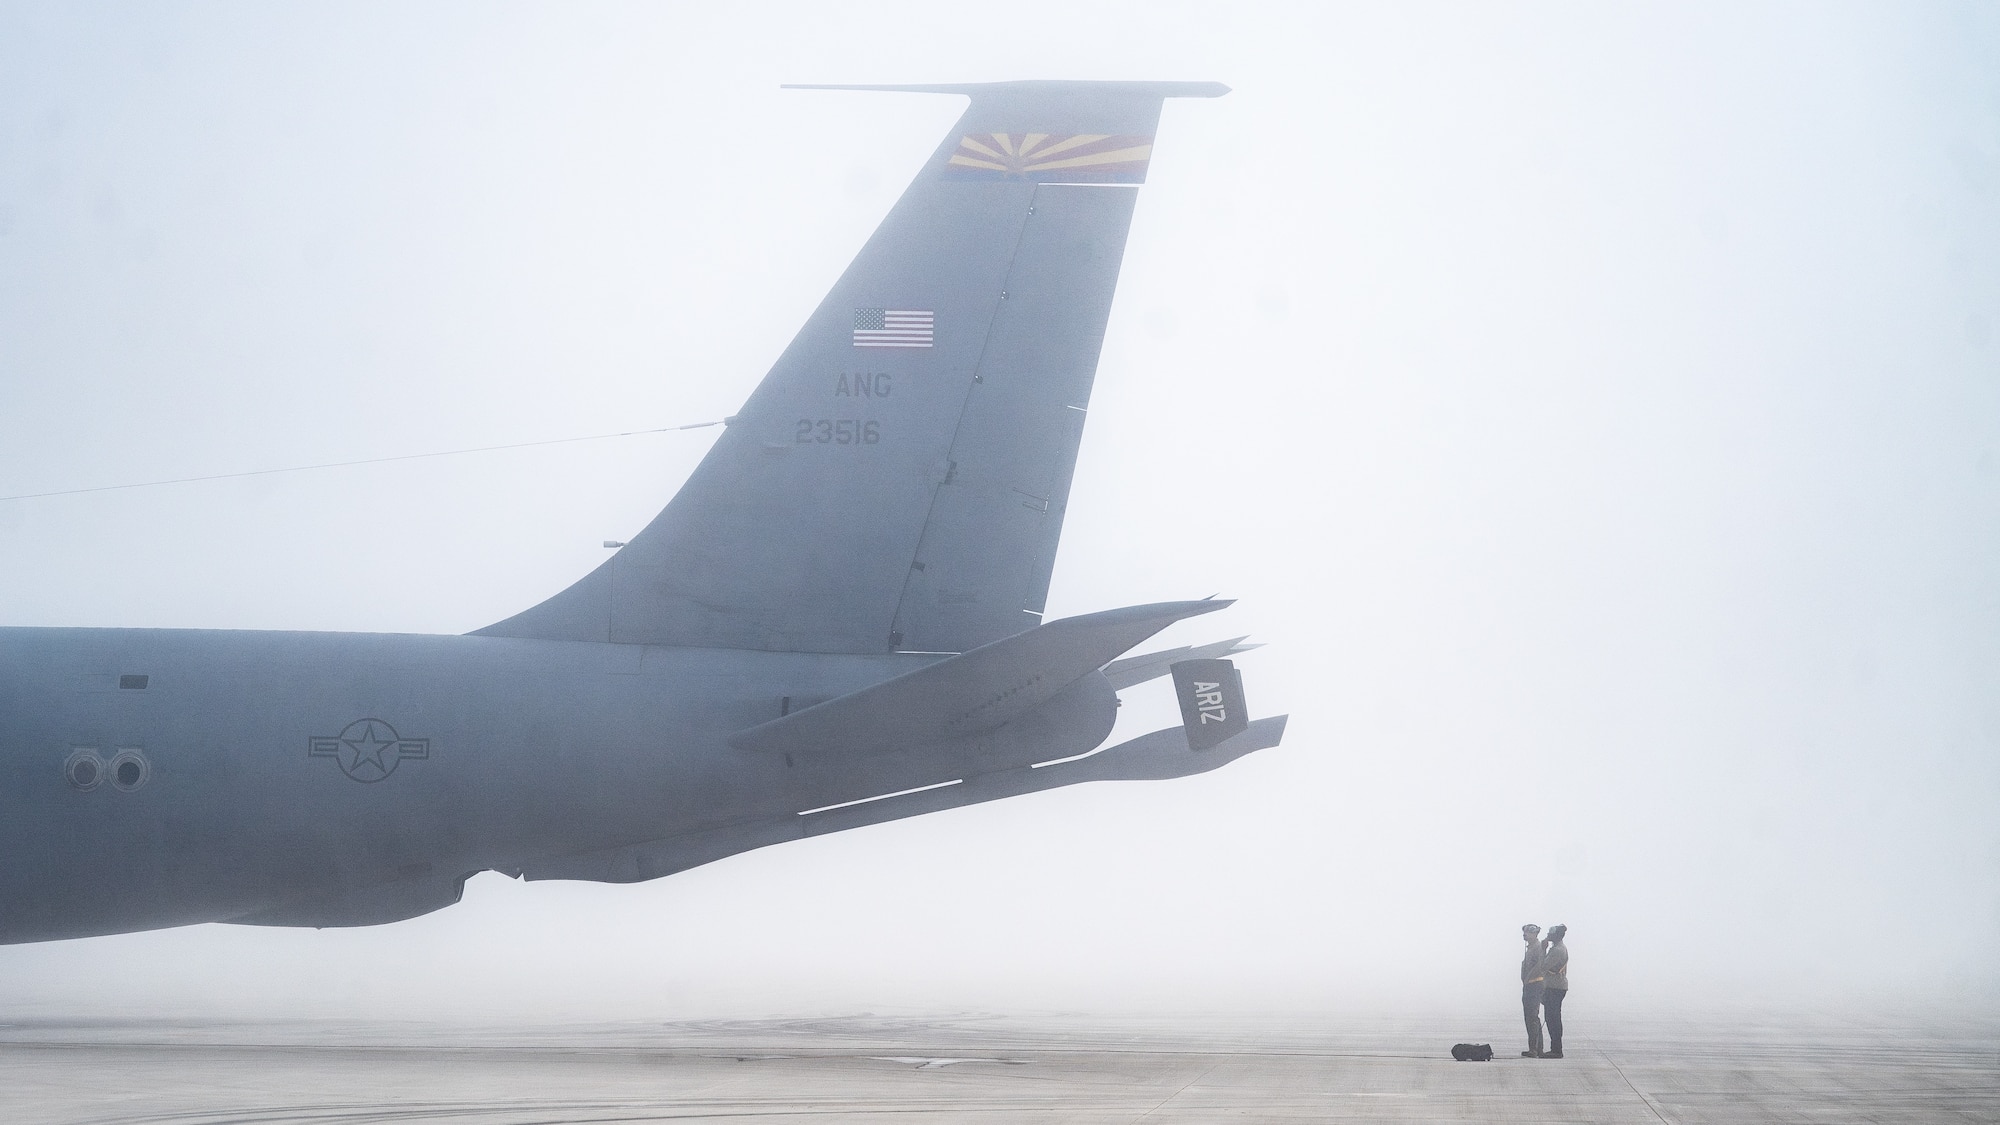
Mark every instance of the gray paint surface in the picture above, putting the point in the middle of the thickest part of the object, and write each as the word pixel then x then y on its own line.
pixel 726 681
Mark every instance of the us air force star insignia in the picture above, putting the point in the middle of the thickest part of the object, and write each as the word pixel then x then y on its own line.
pixel 369 749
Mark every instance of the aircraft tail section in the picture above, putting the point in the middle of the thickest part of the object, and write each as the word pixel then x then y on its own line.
pixel 971 694
pixel 898 480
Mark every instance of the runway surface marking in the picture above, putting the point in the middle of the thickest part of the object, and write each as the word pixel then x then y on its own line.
pixel 978 1070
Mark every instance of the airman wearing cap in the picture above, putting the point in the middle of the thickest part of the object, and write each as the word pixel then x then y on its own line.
pixel 1532 987
pixel 1555 986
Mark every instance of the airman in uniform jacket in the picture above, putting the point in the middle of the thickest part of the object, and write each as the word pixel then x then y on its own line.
pixel 1555 987
pixel 1532 987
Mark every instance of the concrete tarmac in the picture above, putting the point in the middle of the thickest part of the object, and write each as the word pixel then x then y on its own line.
pixel 971 1069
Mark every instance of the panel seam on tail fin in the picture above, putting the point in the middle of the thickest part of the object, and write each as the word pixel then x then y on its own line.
pixel 964 406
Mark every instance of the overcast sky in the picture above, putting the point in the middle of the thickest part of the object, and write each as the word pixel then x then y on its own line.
pixel 1604 402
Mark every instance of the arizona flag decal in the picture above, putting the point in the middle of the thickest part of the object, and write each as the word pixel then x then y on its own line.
pixel 1051 158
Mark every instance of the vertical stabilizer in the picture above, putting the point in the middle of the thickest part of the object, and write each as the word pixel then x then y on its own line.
pixel 898 480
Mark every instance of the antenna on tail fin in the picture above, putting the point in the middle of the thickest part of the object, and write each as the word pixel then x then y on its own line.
pixel 899 478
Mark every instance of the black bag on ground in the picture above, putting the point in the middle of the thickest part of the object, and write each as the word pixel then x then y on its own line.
pixel 1472 1052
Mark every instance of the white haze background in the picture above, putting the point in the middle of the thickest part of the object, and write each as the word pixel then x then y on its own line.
pixel 1596 408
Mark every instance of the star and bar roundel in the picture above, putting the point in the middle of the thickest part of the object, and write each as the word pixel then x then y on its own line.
pixel 1051 158
pixel 368 749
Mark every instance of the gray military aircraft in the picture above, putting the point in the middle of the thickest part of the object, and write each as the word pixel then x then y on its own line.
pixel 835 622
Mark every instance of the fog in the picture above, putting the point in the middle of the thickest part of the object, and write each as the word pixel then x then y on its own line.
pixel 1595 409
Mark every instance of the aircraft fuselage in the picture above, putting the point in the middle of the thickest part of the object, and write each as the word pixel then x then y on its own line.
pixel 253 766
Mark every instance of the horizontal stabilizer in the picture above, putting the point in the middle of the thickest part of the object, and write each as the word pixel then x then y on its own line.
pixel 1157 756
pixel 1166 754
pixel 970 694
pixel 1135 670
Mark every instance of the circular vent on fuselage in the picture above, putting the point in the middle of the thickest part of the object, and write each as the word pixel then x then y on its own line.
pixel 84 770
pixel 129 770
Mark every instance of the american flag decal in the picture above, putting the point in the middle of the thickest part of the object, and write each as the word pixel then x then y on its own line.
pixel 893 328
